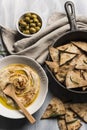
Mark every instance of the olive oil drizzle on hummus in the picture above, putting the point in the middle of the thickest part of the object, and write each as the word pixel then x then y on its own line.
pixel 26 82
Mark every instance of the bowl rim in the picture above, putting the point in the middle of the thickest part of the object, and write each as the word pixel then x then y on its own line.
pixel 20 16
pixel 46 88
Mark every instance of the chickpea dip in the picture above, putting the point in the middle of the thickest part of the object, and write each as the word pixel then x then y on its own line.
pixel 25 80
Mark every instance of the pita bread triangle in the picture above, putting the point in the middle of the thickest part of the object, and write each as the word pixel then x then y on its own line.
pixel 69 48
pixel 54 109
pixel 70 116
pixel 69 121
pixel 81 62
pixel 62 124
pixel 74 79
pixel 53 66
pixel 54 53
pixel 81 45
pixel 75 125
pixel 80 109
pixel 64 57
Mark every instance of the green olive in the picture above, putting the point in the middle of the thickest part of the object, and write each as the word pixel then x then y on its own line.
pixel 35 20
pixel 28 15
pixel 31 20
pixel 32 30
pixel 22 23
pixel 27 27
pixel 27 19
pixel 21 20
pixel 26 32
pixel 39 24
pixel 37 28
pixel 33 16
pixel 32 25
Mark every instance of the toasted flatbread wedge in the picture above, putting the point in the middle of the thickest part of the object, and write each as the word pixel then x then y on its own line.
pixel 53 66
pixel 70 116
pixel 85 75
pixel 60 77
pixel 81 63
pixel 69 48
pixel 75 125
pixel 81 45
pixel 65 57
pixel 69 121
pixel 80 109
pixel 54 53
pixel 61 74
pixel 62 124
pixel 74 79
pixel 74 61
pixel 64 47
pixel 54 109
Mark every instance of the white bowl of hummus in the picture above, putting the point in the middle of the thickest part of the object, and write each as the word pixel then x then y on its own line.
pixel 30 83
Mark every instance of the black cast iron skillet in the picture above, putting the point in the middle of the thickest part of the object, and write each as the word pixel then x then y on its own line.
pixel 73 35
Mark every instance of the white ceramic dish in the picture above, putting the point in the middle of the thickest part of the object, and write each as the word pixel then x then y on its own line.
pixel 28 35
pixel 15 114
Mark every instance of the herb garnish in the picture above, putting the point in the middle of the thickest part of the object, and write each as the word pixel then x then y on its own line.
pixel 71 121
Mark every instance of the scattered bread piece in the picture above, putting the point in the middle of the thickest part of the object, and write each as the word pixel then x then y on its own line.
pixel 80 109
pixel 70 116
pixel 74 126
pixel 69 121
pixel 62 124
pixel 55 108
pixel 66 114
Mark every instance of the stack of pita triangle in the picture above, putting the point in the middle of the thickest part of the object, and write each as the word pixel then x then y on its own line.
pixel 68 64
pixel 69 115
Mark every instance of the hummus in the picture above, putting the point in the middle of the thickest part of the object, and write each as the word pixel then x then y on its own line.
pixel 25 80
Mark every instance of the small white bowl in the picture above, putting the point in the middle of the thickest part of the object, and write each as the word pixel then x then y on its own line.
pixel 28 35
pixel 15 114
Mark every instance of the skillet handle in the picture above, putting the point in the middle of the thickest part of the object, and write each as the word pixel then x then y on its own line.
pixel 70 11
